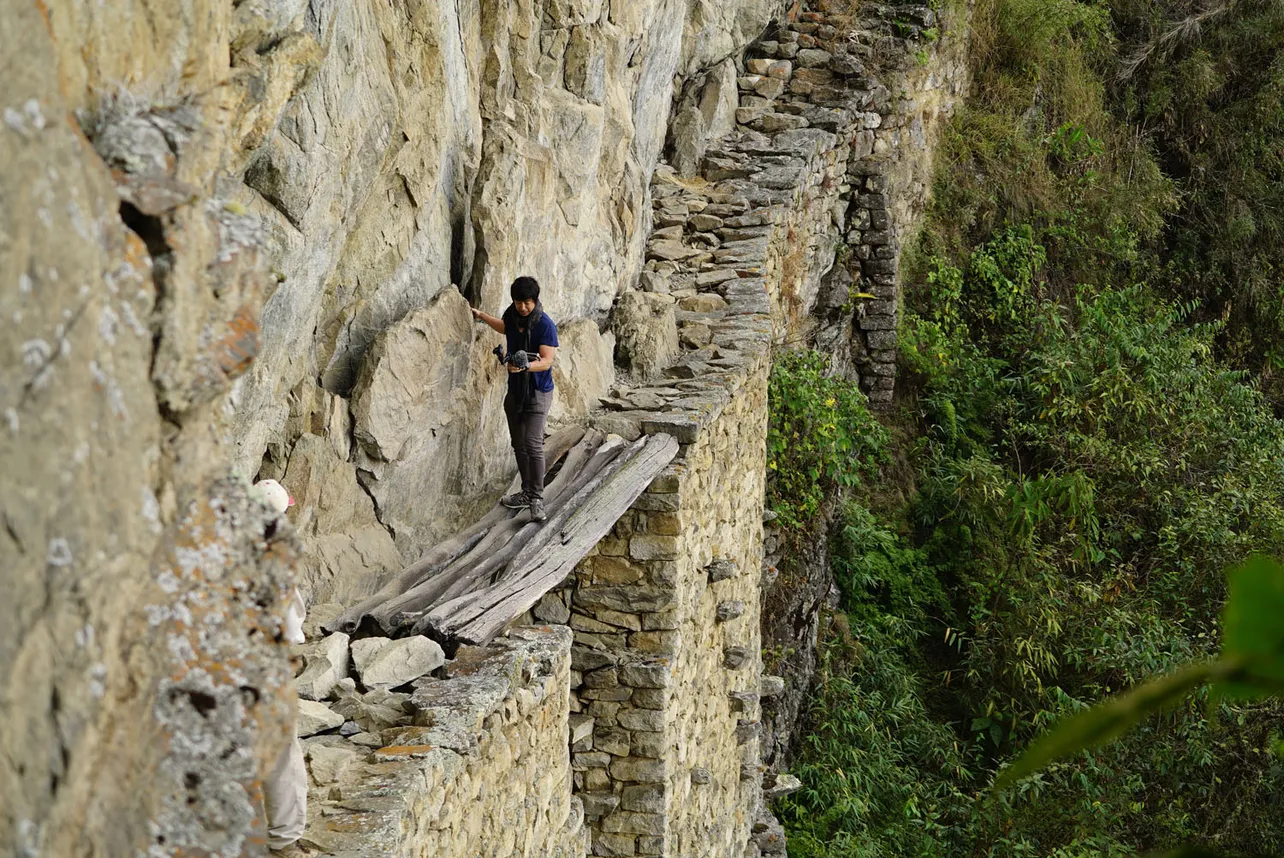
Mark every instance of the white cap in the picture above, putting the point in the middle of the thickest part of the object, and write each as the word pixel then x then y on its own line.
pixel 274 495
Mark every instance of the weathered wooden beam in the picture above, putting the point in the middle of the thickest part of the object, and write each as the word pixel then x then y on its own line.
pixel 478 616
pixel 552 526
pixel 440 557
pixel 458 575
pixel 482 569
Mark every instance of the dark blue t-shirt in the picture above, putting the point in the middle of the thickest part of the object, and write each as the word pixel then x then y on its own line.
pixel 542 333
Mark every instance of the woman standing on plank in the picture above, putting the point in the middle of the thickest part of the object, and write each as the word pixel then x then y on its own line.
pixel 527 329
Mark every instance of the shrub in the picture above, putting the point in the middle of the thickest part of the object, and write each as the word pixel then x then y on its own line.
pixel 820 437
pixel 1091 452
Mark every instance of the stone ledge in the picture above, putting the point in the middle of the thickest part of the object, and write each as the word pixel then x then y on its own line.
pixel 481 755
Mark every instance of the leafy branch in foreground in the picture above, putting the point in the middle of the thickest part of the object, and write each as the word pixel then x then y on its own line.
pixel 1250 667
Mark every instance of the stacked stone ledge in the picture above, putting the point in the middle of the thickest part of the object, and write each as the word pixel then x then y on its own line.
pixel 818 73
pixel 474 763
pixel 667 672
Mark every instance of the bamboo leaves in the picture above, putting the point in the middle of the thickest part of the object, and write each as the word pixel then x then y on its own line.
pixel 1251 666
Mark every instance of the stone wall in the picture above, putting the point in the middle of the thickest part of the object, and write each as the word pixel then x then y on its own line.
pixel 713 775
pixel 475 762
pixel 922 78
pixel 665 620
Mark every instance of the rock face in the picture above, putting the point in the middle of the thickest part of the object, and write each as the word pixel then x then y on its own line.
pixel 707 112
pixel 462 144
pixel 427 422
pixel 142 680
pixel 646 332
pixel 584 371
pixel 244 237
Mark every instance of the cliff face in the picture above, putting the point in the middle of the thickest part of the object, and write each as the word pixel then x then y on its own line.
pixel 228 230
pixel 439 144
pixel 243 238
pixel 137 627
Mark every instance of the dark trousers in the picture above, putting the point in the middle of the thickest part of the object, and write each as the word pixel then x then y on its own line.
pixel 526 429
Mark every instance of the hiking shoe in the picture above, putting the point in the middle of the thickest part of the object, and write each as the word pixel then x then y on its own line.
pixel 517 500
pixel 537 510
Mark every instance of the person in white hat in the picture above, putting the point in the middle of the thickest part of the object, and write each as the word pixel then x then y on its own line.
pixel 286 795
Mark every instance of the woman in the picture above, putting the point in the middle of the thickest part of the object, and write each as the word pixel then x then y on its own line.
pixel 286 789
pixel 526 328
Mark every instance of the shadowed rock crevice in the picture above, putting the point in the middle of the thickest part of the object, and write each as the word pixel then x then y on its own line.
pixel 266 177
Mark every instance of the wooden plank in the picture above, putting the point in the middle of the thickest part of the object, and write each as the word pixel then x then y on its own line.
pixel 533 533
pixel 552 526
pixel 440 557
pixel 587 501
pixel 447 580
pixel 488 612
pixel 478 616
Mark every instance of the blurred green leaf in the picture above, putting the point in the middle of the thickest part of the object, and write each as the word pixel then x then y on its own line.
pixel 1189 852
pixel 1253 630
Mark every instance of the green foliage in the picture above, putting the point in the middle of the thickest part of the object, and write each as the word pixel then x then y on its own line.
pixel 1109 456
pixel 1204 82
pixel 1183 181
pixel 820 439
pixel 880 576
pixel 1091 351
pixel 882 776
pixel 1040 146
pixel 1083 469
pixel 1088 459
pixel 1251 666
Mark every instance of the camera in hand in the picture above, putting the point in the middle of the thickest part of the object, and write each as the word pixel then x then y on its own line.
pixel 518 359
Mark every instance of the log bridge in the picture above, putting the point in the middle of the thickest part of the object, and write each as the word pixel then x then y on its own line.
pixel 472 586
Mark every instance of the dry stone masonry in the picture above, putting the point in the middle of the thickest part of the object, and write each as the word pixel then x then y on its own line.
pixel 886 77
pixel 473 762
pixel 922 77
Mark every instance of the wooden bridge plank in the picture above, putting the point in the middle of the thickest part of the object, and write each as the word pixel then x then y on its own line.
pixel 480 615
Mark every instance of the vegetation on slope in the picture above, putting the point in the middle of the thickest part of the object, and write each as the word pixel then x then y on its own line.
pixel 1089 341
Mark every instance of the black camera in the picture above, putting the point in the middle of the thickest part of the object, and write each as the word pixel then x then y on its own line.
pixel 519 359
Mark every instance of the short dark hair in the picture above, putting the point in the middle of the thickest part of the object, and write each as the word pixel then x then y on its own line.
pixel 524 289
